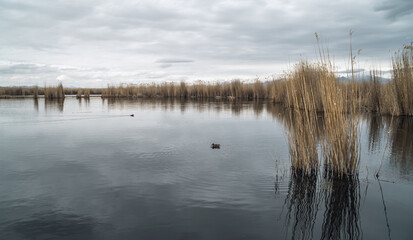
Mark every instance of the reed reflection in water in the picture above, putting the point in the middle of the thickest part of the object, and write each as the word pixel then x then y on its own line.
pixel 236 107
pixel 401 137
pixel 36 104
pixel 302 204
pixel 311 198
pixel 397 133
pixel 54 104
pixel 342 208
pixel 85 100
pixel 376 128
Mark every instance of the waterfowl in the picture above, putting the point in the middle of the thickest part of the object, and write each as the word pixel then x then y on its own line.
pixel 215 145
pixel 132 115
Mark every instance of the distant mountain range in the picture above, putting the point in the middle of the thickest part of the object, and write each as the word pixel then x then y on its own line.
pixel 363 78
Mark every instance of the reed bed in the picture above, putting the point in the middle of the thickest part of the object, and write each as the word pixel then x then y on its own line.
pixel 79 93
pixel 36 92
pixel 403 80
pixel 54 92
pixel 15 91
pixel 40 91
pixel 85 93
pixel 199 90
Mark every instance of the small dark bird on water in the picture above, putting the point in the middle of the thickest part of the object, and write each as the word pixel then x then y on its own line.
pixel 215 146
pixel 132 115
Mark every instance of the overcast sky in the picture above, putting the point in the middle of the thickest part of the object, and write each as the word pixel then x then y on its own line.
pixel 90 43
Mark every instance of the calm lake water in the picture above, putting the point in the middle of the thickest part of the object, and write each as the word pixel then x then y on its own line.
pixel 87 170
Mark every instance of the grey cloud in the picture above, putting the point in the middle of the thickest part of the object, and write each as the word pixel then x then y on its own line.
pixel 165 65
pixel 35 74
pixel 172 60
pixel 31 11
pixel 218 38
pixel 25 68
pixel 396 8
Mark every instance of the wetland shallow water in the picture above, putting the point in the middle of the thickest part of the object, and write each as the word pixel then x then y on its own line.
pixel 82 169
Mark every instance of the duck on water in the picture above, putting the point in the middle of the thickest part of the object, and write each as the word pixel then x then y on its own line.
pixel 215 146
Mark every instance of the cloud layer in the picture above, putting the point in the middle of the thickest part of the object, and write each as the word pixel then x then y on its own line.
pixel 90 43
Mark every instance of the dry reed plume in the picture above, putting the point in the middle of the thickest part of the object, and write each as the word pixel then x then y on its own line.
pixel 303 127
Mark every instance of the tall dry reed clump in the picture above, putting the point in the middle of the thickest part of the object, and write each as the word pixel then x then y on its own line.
pixel 341 144
pixel 313 91
pixel 54 92
pixel 79 93
pixel 85 92
pixel 36 92
pixel 276 90
pixel 403 79
pixel 381 97
pixel 301 86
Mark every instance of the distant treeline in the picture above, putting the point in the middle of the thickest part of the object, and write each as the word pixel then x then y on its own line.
pixel 48 91
pixel 199 89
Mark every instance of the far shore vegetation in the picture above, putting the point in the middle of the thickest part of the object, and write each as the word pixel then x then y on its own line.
pixel 392 97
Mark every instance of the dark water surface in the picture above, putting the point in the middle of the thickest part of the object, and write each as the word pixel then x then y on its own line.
pixel 87 170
